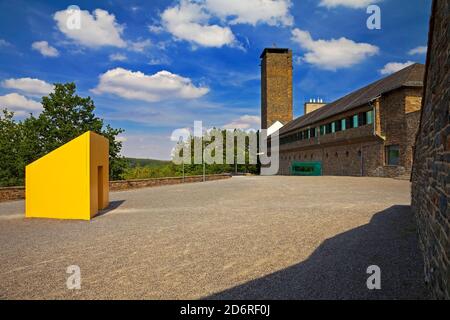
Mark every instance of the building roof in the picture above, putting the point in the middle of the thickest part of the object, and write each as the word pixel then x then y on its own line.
pixel 411 76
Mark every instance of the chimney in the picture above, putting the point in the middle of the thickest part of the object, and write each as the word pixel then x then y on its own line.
pixel 313 105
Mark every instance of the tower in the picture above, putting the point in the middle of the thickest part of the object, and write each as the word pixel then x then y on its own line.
pixel 276 86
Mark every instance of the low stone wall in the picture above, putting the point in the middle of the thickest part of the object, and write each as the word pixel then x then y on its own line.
pixel 145 183
pixel 18 193
pixel 12 193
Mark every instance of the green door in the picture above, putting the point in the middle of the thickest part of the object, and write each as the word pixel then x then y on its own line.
pixel 306 168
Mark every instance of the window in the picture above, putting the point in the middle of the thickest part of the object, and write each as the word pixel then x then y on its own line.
pixel 362 119
pixel 349 123
pixel 312 132
pixel 338 125
pixel 328 128
pixel 369 115
pixel 322 130
pixel 355 121
pixel 393 155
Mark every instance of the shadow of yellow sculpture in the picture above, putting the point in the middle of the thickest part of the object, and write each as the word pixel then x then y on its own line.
pixel 71 182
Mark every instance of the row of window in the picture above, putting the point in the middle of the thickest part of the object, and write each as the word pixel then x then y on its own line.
pixel 355 121
pixel 392 154
pixel 311 156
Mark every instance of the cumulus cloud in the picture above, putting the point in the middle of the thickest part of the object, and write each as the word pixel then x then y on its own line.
pixel 97 29
pixel 393 67
pixel 244 122
pixel 355 4
pixel 29 86
pixel 139 86
pixel 271 12
pixel 418 50
pixel 117 57
pixel 139 46
pixel 45 49
pixel 19 104
pixel 189 21
pixel 332 54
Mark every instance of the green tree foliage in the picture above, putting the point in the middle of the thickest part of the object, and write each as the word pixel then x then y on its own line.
pixel 172 170
pixel 65 116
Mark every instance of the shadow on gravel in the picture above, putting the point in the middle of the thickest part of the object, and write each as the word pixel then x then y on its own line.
pixel 113 205
pixel 337 268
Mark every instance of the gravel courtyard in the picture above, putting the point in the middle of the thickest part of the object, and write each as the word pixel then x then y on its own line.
pixel 241 238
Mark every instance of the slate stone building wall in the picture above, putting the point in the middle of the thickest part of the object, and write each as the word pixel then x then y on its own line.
pixel 431 171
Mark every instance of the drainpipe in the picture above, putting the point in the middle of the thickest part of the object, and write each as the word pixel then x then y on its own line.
pixel 374 114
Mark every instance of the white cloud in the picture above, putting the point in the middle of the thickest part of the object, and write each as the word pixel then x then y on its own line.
pixel 418 50
pixel 45 49
pixel 139 46
pixel 4 43
pixel 117 57
pixel 155 29
pixel 332 54
pixel 272 12
pixel 244 122
pixel 121 138
pixel 19 104
pixel 29 86
pixel 189 21
pixel 180 133
pixel 97 30
pixel 139 86
pixel 148 146
pixel 355 4
pixel 393 67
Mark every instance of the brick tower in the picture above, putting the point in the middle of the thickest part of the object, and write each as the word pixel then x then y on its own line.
pixel 276 86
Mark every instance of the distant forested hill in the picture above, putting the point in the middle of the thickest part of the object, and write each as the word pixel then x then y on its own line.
pixel 134 162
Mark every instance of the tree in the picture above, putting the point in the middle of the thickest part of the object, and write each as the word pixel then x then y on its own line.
pixel 65 116
pixel 10 173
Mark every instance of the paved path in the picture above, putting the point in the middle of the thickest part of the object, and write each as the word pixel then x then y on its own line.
pixel 246 237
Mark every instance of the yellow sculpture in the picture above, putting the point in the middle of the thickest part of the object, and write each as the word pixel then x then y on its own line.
pixel 71 182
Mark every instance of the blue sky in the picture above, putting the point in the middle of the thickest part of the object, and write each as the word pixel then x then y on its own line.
pixel 155 66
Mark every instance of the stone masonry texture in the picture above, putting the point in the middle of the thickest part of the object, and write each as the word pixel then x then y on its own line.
pixel 17 193
pixel 276 87
pixel 362 151
pixel 431 171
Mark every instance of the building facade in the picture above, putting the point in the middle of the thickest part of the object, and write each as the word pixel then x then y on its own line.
pixel 431 171
pixel 370 132
pixel 276 87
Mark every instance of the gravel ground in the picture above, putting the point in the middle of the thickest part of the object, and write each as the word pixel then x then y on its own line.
pixel 241 238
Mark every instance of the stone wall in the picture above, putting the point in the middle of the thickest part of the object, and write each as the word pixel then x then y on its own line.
pixel 12 193
pixel 17 193
pixel 145 183
pixel 431 171
pixel 361 151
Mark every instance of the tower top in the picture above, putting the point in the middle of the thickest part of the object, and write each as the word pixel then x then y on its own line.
pixel 274 50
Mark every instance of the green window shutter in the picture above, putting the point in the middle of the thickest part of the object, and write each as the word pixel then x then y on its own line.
pixel 343 124
pixel 333 127
pixel 370 117
pixel 355 121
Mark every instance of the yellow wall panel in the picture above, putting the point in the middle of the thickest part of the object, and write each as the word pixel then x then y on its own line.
pixel 63 183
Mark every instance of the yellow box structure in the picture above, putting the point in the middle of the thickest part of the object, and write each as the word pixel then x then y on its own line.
pixel 71 182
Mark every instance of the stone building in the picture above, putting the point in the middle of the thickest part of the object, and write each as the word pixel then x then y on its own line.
pixel 276 87
pixel 369 132
pixel 431 171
